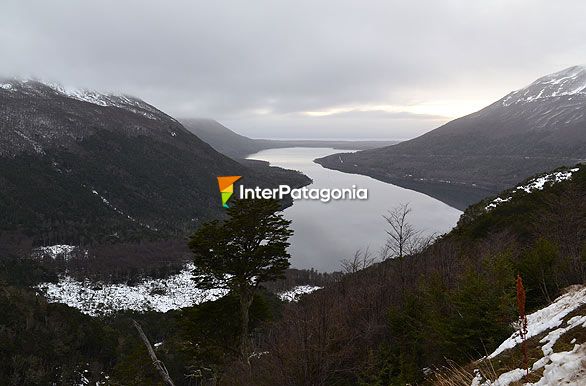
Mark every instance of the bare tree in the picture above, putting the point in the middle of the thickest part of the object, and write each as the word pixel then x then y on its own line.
pixel 359 261
pixel 403 238
pixel 156 362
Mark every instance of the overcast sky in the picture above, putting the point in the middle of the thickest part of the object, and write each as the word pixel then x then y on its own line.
pixel 297 69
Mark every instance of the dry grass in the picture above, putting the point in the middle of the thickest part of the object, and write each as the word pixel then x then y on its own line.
pixel 456 375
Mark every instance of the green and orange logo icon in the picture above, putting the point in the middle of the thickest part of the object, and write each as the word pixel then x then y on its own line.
pixel 226 184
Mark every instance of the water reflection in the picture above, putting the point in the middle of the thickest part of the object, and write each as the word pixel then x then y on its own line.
pixel 326 233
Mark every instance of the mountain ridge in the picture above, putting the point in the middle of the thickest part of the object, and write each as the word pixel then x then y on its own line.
pixel 491 149
pixel 238 146
pixel 84 167
pixel 33 97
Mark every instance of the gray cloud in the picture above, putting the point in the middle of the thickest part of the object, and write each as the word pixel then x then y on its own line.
pixel 259 65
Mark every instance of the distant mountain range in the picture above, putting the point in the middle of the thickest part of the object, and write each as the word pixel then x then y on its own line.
pixel 238 146
pixel 537 128
pixel 83 167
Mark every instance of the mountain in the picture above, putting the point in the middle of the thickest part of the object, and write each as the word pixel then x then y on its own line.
pixel 221 138
pixel 238 146
pixel 81 167
pixel 537 128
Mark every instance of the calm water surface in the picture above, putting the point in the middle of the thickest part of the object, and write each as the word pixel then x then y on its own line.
pixel 326 233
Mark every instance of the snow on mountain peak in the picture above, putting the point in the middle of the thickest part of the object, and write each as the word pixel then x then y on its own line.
pixel 42 87
pixel 568 82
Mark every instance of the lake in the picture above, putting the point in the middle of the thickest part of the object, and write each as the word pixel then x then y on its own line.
pixel 326 233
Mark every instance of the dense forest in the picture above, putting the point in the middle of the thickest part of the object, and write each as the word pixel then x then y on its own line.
pixel 391 322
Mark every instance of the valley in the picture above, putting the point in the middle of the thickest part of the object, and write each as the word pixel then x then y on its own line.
pixel 316 242
pixel 110 208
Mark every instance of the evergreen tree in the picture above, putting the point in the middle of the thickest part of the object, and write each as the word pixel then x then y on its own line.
pixel 248 248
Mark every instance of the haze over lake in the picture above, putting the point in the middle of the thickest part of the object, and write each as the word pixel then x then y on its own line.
pixel 326 233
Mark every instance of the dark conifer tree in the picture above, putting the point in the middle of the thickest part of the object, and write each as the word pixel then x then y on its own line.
pixel 240 253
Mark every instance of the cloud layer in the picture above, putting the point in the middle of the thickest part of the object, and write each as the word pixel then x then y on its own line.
pixel 299 68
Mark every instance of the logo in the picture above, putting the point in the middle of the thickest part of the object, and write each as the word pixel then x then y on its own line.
pixel 226 184
pixel 324 195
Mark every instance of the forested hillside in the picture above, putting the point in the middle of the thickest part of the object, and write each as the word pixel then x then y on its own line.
pixel 394 322
pixel 80 167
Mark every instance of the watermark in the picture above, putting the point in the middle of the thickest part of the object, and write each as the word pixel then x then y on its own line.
pixel 322 194
pixel 325 195
pixel 226 184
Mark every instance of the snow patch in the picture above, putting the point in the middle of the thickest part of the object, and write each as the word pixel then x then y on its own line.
pixel 294 294
pixel 507 378
pixel 551 338
pixel 547 318
pixel 54 251
pixel 38 148
pixel 566 368
pixel 161 295
pixel 537 183
pixel 568 82
pixel 126 102
pixel 496 202
pixel 115 209
pixel 552 178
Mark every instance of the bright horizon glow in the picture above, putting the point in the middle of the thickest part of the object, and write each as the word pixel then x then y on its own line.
pixel 447 109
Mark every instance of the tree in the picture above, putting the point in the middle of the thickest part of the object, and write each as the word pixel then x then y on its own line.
pixel 240 253
pixel 539 266
pixel 359 261
pixel 403 238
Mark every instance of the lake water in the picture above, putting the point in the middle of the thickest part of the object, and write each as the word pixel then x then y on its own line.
pixel 326 233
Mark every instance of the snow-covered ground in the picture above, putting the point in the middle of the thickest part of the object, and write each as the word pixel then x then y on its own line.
pixel 54 251
pixel 295 293
pixel 568 367
pixel 176 291
pixel 161 295
pixel 537 183
pixel 547 318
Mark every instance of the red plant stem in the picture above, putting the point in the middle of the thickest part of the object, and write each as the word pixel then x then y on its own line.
pixel 521 298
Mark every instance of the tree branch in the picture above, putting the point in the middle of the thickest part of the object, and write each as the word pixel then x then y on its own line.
pixel 156 362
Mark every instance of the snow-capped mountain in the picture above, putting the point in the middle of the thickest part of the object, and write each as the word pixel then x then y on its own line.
pixel 536 128
pixel 566 83
pixel 79 165
pixel 545 119
pixel 51 113
pixel 44 88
